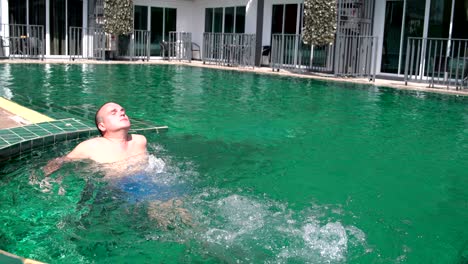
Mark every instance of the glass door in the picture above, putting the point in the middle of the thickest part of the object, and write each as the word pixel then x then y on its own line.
pixel 392 36
pixel 403 19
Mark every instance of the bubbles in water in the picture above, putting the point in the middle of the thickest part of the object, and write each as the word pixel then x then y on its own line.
pixel 155 165
pixel 238 216
pixel 329 240
pixel 240 228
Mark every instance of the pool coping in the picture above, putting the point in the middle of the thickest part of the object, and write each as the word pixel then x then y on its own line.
pixel 6 257
pixel 28 115
pixel 396 84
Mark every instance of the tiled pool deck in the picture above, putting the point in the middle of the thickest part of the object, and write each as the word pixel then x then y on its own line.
pixel 45 131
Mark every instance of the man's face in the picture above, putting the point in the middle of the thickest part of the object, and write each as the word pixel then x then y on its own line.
pixel 113 118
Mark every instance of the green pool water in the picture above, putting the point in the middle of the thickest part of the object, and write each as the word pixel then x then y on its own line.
pixel 274 170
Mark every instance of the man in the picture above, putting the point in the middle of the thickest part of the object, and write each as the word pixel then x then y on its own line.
pixel 115 145
pixel 120 155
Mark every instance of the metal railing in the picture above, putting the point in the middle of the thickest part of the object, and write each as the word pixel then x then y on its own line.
pixel 349 56
pixel 356 56
pixel 22 41
pixel 92 43
pixel 180 46
pixel 86 43
pixel 141 44
pixel 135 46
pixel 229 49
pixel 289 52
pixel 437 61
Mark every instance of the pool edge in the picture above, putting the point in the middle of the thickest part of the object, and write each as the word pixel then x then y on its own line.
pixel 6 257
pixel 25 113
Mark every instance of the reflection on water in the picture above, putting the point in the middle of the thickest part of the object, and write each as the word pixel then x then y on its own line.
pixel 5 81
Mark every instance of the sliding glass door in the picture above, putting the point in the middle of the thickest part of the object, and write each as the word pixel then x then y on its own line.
pixel 163 20
pixel 285 19
pixel 63 14
pixel 392 36
pixel 403 19
pixel 225 19
pixel 446 19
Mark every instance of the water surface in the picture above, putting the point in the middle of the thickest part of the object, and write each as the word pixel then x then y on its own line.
pixel 276 170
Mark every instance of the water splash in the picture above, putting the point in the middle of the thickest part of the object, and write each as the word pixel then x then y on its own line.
pixel 241 228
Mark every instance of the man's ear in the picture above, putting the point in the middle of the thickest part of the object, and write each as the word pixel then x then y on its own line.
pixel 101 126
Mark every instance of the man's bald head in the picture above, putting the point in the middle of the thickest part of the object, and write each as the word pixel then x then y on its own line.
pixel 98 117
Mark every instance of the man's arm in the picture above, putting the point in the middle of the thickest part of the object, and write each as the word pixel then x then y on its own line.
pixel 79 152
pixel 82 151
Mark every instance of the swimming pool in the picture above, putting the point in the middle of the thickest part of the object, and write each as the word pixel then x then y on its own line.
pixel 275 170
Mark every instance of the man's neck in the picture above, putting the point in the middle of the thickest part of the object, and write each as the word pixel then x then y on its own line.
pixel 118 137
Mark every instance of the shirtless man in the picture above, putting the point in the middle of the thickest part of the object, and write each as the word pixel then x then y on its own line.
pixel 120 154
pixel 114 146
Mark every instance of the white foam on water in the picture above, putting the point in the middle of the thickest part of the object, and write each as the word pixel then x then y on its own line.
pixel 239 215
pixel 155 165
pixel 166 171
pixel 240 228
pixel 329 240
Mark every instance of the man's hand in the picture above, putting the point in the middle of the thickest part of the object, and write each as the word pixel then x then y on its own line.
pixel 53 165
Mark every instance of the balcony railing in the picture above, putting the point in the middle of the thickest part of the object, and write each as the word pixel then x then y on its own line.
pixel 180 46
pixel 86 43
pixel 135 46
pixel 22 41
pixel 93 43
pixel 229 49
pixel 349 56
pixel 437 61
pixel 289 52
pixel 356 56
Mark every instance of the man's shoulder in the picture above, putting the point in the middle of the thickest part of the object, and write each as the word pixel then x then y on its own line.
pixel 85 149
pixel 139 138
pixel 92 142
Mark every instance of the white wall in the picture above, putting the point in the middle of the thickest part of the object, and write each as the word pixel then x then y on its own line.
pixel 3 12
pixel 379 23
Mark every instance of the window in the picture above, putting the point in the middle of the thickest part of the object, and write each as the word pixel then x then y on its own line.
pixel 234 19
pixel 163 20
pixel 140 18
pixel 17 12
pixel 284 19
pixel 170 22
pixel 240 20
pixel 57 27
pixel 37 12
pixel 460 20
pixel 229 20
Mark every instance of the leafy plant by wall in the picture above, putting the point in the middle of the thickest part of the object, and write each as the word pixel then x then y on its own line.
pixel 319 21
pixel 118 16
